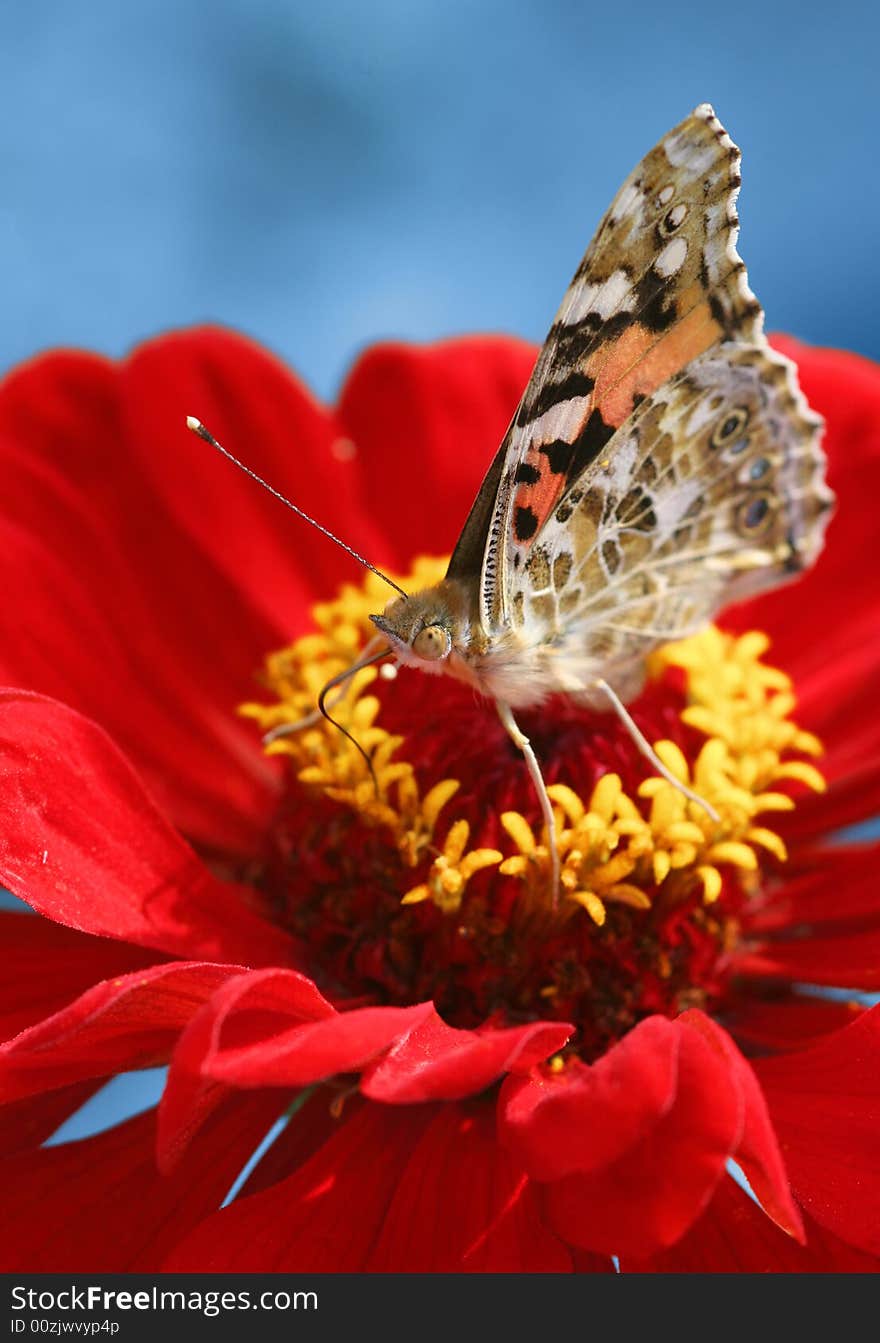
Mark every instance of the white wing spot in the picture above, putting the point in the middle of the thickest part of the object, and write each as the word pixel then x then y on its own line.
pixel 602 299
pixel 665 196
pixel 562 421
pixel 671 259
pixel 630 199
pixel 578 302
pixel 682 152
pixel 701 415
pixel 676 215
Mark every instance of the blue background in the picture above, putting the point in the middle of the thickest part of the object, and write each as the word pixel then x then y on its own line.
pixel 321 176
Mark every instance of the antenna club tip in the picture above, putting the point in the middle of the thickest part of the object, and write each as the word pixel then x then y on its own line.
pixel 198 428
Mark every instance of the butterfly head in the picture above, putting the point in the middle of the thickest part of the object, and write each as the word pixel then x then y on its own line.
pixel 423 630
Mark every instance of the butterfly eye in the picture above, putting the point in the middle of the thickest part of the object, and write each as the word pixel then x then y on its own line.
pixel 730 427
pixel 432 643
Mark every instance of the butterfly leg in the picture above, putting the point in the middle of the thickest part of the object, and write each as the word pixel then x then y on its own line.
pixel 648 751
pixel 523 744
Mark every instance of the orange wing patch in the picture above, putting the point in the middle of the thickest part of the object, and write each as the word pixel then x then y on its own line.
pixel 622 372
pixel 637 362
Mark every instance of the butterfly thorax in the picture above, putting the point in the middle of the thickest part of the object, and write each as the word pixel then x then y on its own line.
pixel 438 631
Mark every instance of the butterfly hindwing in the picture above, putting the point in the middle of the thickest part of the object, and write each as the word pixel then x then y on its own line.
pixel 712 490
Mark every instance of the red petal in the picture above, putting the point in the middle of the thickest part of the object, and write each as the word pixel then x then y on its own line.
pixel 463 1205
pixel 46 965
pixel 263 414
pixel 823 925
pixel 584 1118
pixel 842 713
pixel 853 794
pixel 273 1028
pixel 125 1023
pixel 758 1151
pixel 825 1106
pixel 850 962
pixel 315 1119
pixel 434 1062
pixel 326 1217
pixel 28 1123
pixel 84 844
pixel 646 1200
pixel 835 890
pixel 100 1205
pixel 248 1008
pixel 832 1255
pixel 450 404
pixel 788 1023
pixel 584 1261
pixel 302 1054
pixel 734 1236
pixel 109 607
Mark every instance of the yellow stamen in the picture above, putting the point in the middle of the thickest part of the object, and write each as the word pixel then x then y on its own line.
pixel 519 830
pixel 452 870
pixel 592 904
pixel 712 882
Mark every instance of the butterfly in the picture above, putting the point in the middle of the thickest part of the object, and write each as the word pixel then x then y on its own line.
pixel 661 463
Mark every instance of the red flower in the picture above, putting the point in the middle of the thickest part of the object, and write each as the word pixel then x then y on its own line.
pixel 144 583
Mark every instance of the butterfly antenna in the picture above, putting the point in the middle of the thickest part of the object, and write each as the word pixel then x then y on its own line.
pixel 198 428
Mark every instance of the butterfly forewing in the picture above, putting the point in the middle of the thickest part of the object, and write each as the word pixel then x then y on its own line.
pixel 660 283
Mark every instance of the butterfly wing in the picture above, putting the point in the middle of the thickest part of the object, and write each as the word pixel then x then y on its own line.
pixel 712 490
pixel 660 284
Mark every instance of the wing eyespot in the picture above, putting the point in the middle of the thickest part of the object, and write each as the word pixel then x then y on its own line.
pixel 759 468
pixel 730 428
pixel 672 221
pixel 755 515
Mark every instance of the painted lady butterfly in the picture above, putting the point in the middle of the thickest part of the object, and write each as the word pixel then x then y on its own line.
pixel 662 463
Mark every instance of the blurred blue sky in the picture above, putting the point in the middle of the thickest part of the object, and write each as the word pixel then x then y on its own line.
pixel 324 175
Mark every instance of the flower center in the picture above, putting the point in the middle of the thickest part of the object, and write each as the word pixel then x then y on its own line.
pixel 416 866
